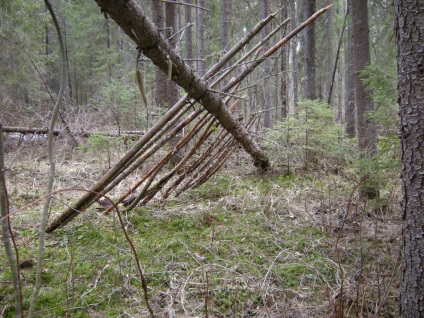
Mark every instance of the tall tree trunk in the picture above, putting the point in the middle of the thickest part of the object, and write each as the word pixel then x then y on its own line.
pixel 160 77
pixel 284 66
pixel 171 9
pixel 309 8
pixel 108 48
pixel 266 101
pixel 293 49
pixel 330 48
pixel 131 18
pixel 349 114
pixel 224 30
pixel 200 35
pixel 409 28
pixel 189 34
pixel 365 128
pixel 172 94
pixel 224 24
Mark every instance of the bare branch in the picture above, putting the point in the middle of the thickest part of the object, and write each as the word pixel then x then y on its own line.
pixel 186 4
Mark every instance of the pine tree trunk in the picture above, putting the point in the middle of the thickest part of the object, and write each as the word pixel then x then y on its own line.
pixel 160 77
pixel 188 34
pixel 224 24
pixel 266 104
pixel 409 26
pixel 172 94
pixel 349 114
pixel 309 8
pixel 330 49
pixel 293 49
pixel 365 128
pixel 200 35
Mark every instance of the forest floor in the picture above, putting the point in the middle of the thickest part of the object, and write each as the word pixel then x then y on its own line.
pixel 244 244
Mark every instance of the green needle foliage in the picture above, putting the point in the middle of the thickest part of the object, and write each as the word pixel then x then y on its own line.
pixel 311 137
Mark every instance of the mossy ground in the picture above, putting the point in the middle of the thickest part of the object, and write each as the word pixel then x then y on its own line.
pixel 241 245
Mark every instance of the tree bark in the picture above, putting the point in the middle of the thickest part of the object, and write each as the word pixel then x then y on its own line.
pixel 200 34
pixel 224 24
pixel 330 50
pixel 349 103
pixel 309 8
pixel 144 33
pixel 160 77
pixel 266 89
pixel 365 128
pixel 292 57
pixel 189 34
pixel 409 26
pixel 224 30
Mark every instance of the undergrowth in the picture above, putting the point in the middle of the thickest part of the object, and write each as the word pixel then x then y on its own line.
pixel 294 242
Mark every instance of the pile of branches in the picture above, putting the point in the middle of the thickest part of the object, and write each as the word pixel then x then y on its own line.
pixel 206 114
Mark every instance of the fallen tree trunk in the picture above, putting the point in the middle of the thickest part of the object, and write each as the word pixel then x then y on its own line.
pixel 57 132
pixel 133 21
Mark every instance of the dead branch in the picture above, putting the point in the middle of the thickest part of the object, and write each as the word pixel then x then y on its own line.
pixel 129 134
pixel 186 4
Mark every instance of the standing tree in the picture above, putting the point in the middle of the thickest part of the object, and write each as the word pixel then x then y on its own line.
pixel 160 76
pixel 188 34
pixel 309 8
pixel 224 23
pixel 171 22
pixel 349 96
pixel 365 128
pixel 266 70
pixel 200 35
pixel 330 48
pixel 410 61
pixel 292 57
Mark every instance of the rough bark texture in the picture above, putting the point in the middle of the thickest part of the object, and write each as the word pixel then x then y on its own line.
pixel 266 90
pixel 309 8
pixel 188 34
pixel 224 28
pixel 171 14
pixel 365 128
pixel 200 35
pixel 160 77
pixel 410 60
pixel 349 116
pixel 172 93
pixel 292 58
pixel 330 48
pixel 144 33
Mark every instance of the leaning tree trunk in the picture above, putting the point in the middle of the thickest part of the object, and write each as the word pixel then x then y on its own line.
pixel 409 28
pixel 131 18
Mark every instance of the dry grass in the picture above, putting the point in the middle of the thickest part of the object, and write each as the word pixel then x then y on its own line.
pixel 241 245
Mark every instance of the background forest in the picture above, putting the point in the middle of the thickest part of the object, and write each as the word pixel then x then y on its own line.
pixel 317 235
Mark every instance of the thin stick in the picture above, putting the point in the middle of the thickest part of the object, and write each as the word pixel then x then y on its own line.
pixel 186 4
pixel 333 75
pixel 52 161
pixel 297 30
pixel 7 235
